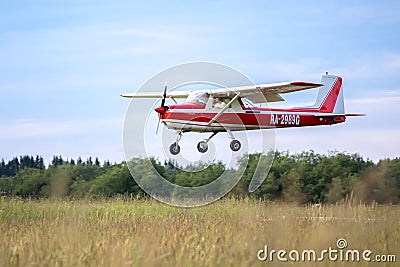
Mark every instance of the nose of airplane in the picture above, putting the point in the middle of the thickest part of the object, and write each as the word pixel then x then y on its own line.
pixel 161 110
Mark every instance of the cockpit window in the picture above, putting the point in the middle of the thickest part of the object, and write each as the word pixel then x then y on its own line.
pixel 247 103
pixel 198 98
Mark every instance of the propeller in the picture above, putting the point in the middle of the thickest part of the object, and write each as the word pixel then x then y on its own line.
pixel 164 95
pixel 162 108
pixel 158 125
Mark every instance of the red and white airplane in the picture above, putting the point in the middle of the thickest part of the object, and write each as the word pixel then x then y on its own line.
pixel 232 109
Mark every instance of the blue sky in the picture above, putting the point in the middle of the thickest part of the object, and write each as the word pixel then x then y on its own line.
pixel 64 63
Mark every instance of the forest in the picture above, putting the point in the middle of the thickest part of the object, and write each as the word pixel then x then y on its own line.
pixel 306 177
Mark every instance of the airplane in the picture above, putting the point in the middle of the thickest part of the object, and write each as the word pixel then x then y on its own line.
pixel 233 109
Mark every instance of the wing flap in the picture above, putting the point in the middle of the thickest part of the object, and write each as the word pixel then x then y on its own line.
pixel 258 98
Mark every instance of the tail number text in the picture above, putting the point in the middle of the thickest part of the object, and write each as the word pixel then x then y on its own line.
pixel 285 119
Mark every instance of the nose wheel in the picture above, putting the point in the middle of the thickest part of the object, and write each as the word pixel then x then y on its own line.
pixel 174 148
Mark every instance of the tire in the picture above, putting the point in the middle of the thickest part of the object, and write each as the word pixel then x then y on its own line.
pixel 174 148
pixel 202 147
pixel 235 145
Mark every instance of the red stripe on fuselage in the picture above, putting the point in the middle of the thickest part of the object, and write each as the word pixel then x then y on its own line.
pixel 278 120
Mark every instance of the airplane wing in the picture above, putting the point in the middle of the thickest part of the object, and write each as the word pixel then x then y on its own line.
pixel 271 92
pixel 256 93
pixel 174 94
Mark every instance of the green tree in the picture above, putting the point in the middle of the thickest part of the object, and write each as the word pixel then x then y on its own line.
pixel 80 189
pixel 32 183
pixel 7 185
pixel 117 180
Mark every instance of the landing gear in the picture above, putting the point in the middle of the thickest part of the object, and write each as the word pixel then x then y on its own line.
pixel 202 146
pixel 174 148
pixel 235 144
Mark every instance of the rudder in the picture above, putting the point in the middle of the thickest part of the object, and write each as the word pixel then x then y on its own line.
pixel 330 95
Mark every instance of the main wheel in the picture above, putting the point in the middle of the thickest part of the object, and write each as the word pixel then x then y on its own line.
pixel 235 145
pixel 174 148
pixel 202 147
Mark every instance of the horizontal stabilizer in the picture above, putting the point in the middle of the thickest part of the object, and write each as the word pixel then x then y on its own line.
pixel 337 115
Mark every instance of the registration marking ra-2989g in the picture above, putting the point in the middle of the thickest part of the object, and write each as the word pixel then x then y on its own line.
pixel 285 119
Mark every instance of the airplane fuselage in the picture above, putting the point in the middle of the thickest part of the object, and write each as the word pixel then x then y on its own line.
pixel 193 117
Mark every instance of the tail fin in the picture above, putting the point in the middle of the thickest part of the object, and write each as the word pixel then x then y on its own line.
pixel 330 95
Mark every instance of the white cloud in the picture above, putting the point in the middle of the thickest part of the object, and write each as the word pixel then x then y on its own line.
pixel 376 67
pixel 360 13
pixel 374 100
pixel 86 138
pixel 375 104
pixel 371 143
pixel 35 129
pixel 303 69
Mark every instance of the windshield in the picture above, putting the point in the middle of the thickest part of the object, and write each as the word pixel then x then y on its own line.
pixel 198 98
pixel 247 103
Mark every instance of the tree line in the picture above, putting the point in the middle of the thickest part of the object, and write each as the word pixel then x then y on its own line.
pixel 306 177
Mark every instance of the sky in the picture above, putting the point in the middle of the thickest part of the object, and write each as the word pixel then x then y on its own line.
pixel 63 65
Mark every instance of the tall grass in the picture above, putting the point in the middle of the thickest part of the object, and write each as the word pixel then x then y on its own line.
pixel 122 232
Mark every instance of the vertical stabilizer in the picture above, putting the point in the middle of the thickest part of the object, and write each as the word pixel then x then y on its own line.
pixel 330 95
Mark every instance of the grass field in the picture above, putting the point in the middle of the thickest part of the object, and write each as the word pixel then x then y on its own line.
pixel 229 232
